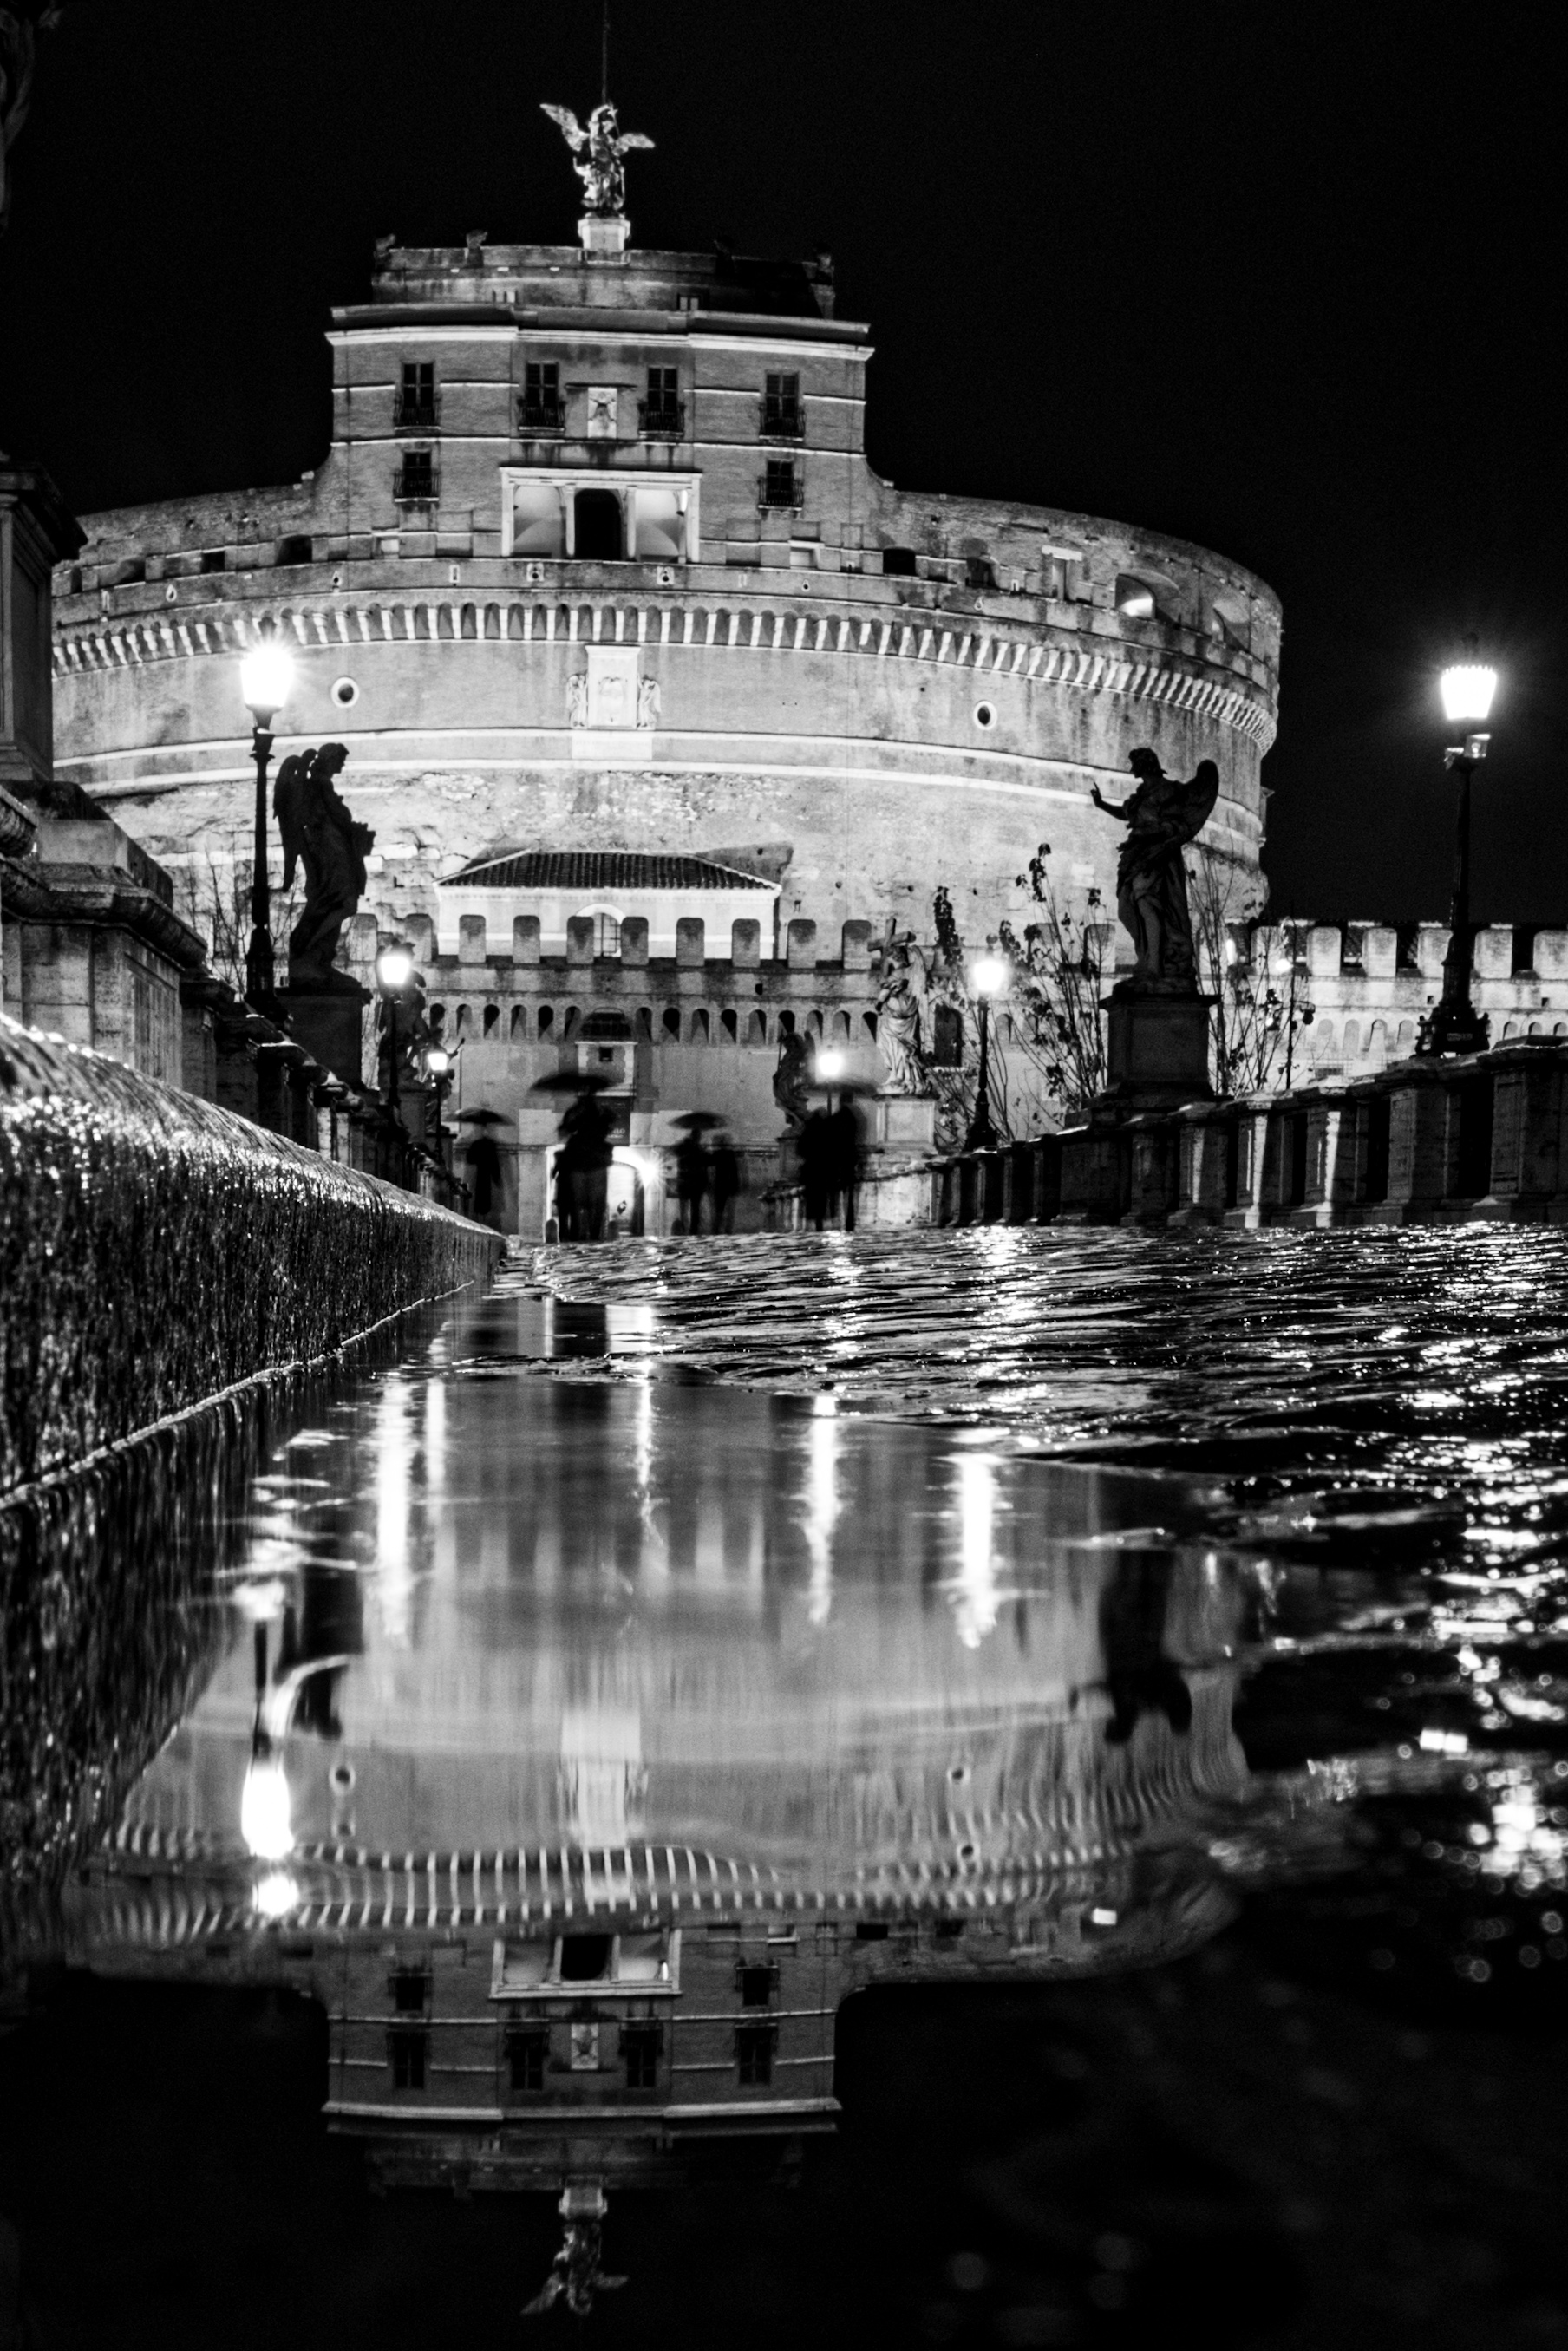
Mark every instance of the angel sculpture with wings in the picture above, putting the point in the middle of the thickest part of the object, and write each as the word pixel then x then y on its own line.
pixel 906 986
pixel 601 172
pixel 319 833
pixel 1161 817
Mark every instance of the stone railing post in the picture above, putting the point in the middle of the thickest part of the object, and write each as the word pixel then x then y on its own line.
pixel 1528 1107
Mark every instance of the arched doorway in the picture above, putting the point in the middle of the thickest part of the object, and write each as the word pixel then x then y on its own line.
pixel 598 529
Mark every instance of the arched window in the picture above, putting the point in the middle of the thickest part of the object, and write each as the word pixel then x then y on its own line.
pixel 699 1029
pixel 547 1019
pixel 598 533
pixel 673 1022
pixel 606 929
pixel 757 1029
pixel 1352 1038
pixel 492 1018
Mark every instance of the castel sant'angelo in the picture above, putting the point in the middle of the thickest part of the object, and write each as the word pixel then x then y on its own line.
pixel 616 622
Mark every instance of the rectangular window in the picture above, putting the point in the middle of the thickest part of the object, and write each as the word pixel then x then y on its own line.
pixel 526 2046
pixel 757 1985
pixel 417 481
pixel 416 396
pixel 780 484
pixel 781 415
pixel 407 2048
pixel 410 1988
pixel 541 408
pixel 661 416
pixel 754 2054
pixel 640 2048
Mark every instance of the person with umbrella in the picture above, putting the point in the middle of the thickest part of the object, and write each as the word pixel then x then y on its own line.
pixel 692 1169
pixel 483 1161
pixel 582 1164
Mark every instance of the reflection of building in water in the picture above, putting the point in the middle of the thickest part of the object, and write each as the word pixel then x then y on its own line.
pixel 519 2020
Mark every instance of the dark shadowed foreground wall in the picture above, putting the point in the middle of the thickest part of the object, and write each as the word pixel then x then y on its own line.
pixel 156 1249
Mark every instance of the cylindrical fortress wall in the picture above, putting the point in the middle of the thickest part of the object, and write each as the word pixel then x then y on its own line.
pixel 877 735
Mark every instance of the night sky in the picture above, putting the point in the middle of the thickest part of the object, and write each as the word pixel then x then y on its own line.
pixel 1287 281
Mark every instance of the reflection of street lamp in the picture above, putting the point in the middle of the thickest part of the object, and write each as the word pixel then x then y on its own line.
pixel 989 977
pixel 263 1806
pixel 265 676
pixel 394 970
pixel 1453 1025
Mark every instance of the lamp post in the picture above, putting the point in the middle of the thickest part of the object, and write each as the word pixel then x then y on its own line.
pixel 989 977
pixel 265 676
pixel 438 1070
pixel 1453 1025
pixel 395 969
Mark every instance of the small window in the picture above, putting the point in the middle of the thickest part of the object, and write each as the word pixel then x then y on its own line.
pixel 407 2048
pixel 526 2046
pixel 780 484
pixel 673 1022
pixel 547 1019
pixel 492 1018
pixel 410 1989
pixel 415 483
pixel 416 395
pixel 345 693
pixel 756 1986
pixel 606 933
pixel 898 562
pixel 293 551
pixel 985 714
pixel 640 2048
pixel 754 2054
pixel 214 558
pixel 947 1038
pixel 979 573
pixel 871 1930
pixel 781 414
pixel 541 408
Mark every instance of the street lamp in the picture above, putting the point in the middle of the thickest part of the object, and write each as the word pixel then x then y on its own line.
pixel 1453 1025
pixel 831 1066
pixel 266 674
pixel 438 1070
pixel 395 969
pixel 989 977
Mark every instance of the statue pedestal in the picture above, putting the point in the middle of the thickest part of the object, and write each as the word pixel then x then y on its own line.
pixel 604 235
pixel 903 1123
pixel 1157 1048
pixel 328 1023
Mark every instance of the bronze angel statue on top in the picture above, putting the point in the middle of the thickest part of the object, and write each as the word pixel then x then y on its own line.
pixel 602 146
pixel 1161 817
pixel 319 833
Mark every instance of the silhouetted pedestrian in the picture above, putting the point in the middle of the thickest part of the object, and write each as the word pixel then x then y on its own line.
pixel 725 1170
pixel 691 1181
pixel 583 1170
pixel 815 1144
pixel 844 1148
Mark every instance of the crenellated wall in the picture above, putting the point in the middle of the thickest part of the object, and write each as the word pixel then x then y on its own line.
pixel 1369 985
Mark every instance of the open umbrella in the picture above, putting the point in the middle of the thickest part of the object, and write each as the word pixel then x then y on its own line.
pixel 697 1121
pixel 573 1081
pixel 483 1118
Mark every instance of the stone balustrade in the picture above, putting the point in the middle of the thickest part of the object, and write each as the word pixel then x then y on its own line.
pixel 1428 1141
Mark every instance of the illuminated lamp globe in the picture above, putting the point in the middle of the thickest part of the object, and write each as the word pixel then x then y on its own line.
pixel 394 968
pixel 264 1819
pixel 989 977
pixel 831 1066
pixel 266 674
pixel 437 1060
pixel 1468 688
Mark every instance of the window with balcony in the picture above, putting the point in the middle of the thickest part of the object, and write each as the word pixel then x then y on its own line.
pixel 780 486
pixel 754 2054
pixel 541 409
pixel 661 416
pixel 783 418
pixel 416 401
pixel 416 482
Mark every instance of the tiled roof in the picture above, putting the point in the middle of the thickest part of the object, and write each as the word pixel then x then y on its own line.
pixel 594 869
